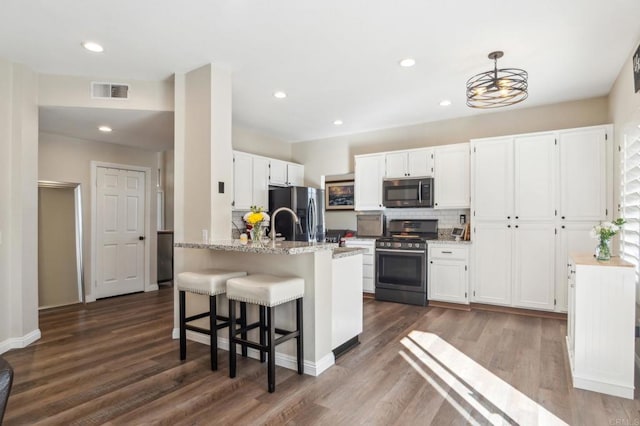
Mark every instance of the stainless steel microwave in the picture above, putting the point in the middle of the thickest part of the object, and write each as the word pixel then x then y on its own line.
pixel 407 192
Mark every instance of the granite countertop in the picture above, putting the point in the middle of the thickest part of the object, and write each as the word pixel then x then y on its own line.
pixel 347 252
pixel 268 247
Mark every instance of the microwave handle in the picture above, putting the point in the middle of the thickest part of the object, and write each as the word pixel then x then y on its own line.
pixel 420 191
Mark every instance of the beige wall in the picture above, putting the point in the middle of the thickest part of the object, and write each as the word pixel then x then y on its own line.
pixel 18 205
pixel 253 142
pixel 67 159
pixel 57 261
pixel 72 91
pixel 168 187
pixel 335 155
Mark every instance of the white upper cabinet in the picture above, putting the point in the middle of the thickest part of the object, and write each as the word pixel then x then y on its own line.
pixel 278 174
pixel 451 177
pixel 369 172
pixel 284 173
pixel 242 181
pixel 535 177
pixel 583 174
pixel 413 163
pixel 295 174
pixel 261 182
pixel 492 171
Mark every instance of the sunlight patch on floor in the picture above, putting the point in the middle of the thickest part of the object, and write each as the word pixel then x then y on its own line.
pixel 496 400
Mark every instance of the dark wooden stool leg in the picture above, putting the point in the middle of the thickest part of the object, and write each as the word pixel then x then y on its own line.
pixel 271 338
pixel 263 332
pixel 299 341
pixel 183 329
pixel 243 324
pixel 213 332
pixel 232 334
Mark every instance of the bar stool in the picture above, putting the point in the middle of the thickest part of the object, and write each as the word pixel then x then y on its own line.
pixel 267 291
pixel 209 282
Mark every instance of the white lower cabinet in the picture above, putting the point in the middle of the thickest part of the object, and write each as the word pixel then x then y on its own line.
pixel 448 273
pixel 514 264
pixel 601 325
pixel 368 261
pixel 492 249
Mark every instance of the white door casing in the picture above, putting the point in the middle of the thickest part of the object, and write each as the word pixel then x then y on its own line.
pixel 120 214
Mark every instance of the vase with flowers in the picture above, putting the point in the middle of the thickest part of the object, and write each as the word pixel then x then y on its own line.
pixel 258 220
pixel 603 233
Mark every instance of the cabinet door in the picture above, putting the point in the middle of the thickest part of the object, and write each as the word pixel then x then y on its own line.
pixel 492 179
pixel 492 253
pixel 261 182
pixel 295 174
pixel 369 172
pixel 583 174
pixel 452 177
pixel 396 165
pixel 535 177
pixel 534 267
pixel 278 173
pixel 242 181
pixel 420 162
pixel 570 277
pixel 448 281
pixel 574 237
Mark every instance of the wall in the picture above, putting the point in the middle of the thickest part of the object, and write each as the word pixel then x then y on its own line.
pixel 168 187
pixel 253 142
pixel 71 91
pixel 66 159
pixel 335 155
pixel 18 206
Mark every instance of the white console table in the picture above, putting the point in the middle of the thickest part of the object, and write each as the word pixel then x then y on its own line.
pixel 601 324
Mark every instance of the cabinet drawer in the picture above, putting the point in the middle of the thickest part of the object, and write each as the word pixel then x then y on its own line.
pixel 448 253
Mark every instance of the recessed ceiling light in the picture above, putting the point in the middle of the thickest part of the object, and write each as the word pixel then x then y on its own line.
pixel 407 62
pixel 338 122
pixel 445 102
pixel 92 46
pixel 105 129
pixel 280 95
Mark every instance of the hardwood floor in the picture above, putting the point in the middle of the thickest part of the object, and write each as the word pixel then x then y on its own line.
pixel 114 362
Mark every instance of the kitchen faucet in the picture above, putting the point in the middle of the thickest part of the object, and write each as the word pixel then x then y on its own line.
pixel 272 234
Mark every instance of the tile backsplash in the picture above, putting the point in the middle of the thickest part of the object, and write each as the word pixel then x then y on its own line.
pixel 446 218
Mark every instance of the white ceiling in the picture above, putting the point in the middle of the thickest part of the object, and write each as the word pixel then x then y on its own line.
pixel 336 59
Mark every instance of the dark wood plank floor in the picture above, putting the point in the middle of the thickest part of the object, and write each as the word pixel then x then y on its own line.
pixel 114 362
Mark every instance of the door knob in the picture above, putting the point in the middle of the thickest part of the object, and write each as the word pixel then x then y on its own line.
pixel 141 237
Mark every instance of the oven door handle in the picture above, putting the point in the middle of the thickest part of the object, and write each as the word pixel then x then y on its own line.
pixel 401 251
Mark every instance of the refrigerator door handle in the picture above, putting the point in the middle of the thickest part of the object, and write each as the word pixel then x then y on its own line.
pixel 312 219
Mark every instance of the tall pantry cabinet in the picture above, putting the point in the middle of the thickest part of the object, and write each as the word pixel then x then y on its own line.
pixel 532 197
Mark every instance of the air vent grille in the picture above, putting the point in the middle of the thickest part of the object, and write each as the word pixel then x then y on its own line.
pixel 109 90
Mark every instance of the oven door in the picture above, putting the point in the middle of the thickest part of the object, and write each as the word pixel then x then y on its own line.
pixel 398 269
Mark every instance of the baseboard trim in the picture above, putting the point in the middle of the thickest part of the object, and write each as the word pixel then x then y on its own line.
pixel 283 360
pixel 448 305
pixel 518 311
pixel 20 342
pixel 151 287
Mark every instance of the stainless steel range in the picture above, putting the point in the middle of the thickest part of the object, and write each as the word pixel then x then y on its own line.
pixel 401 261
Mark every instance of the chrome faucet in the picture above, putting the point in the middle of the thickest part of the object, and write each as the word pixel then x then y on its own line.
pixel 272 234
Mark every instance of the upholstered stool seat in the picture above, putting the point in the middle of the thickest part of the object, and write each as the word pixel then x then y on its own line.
pixel 209 282
pixel 267 291
pixel 6 379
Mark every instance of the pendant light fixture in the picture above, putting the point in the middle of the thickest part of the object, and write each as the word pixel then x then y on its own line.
pixel 498 87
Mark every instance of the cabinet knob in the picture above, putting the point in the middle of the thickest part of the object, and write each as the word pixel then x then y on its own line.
pixel 562 226
pixel 562 217
pixel 508 226
pixel 431 261
pixel 516 226
pixel 516 217
pixel 508 217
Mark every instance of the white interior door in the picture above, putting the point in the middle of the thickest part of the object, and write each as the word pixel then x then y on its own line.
pixel 120 231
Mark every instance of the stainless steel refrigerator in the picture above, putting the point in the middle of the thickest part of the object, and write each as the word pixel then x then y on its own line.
pixel 308 204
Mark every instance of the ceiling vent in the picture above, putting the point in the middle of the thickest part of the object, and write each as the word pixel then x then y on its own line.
pixel 109 90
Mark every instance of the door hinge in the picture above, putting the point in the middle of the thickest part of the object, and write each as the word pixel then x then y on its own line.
pixel 465 294
pixel 474 150
pixel 606 212
pixel 555 141
pixel 432 158
pixel 474 293
pixel 619 148
pixel 554 302
pixel 474 212
pixel 233 203
pixel 556 213
pixel 556 231
pixel 606 137
pixel 465 267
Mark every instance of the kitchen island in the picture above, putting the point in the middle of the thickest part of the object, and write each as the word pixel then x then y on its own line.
pixel 315 263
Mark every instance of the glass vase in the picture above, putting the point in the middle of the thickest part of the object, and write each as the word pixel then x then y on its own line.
pixel 257 232
pixel 603 251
